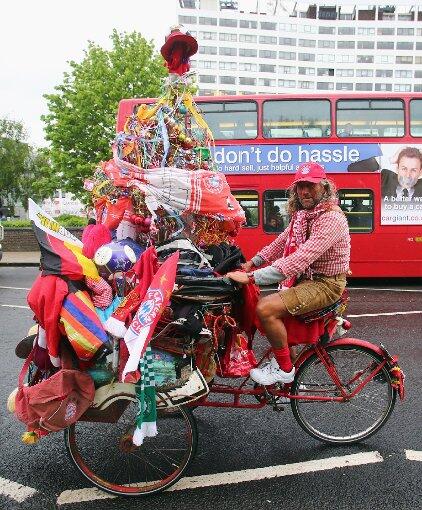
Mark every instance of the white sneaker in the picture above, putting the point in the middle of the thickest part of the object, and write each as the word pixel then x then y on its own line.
pixel 271 374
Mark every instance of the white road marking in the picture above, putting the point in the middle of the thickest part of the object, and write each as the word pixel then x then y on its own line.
pixel 16 288
pixel 386 290
pixel 17 306
pixel 413 455
pixel 384 314
pixel 15 490
pixel 246 475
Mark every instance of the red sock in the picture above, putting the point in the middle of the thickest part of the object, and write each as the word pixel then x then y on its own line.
pixel 282 357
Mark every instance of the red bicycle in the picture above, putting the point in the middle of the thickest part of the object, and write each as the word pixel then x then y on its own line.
pixel 343 392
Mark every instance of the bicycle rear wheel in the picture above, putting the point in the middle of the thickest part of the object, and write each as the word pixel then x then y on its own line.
pixel 350 421
pixel 105 455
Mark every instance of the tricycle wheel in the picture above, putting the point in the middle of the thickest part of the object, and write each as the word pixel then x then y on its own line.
pixel 105 455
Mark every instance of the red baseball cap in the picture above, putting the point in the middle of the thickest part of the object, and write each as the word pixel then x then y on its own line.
pixel 309 172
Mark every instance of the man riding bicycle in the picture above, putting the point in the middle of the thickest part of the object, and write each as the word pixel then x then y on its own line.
pixel 310 260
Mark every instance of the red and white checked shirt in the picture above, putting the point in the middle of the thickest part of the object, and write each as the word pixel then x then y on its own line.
pixel 326 251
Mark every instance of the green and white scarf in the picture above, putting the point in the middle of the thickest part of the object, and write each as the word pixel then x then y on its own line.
pixel 146 419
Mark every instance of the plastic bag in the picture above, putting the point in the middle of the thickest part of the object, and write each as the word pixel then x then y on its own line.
pixel 238 359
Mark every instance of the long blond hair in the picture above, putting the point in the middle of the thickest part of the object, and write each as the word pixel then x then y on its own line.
pixel 330 195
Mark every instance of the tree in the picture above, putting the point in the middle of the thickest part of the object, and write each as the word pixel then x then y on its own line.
pixel 81 121
pixel 13 155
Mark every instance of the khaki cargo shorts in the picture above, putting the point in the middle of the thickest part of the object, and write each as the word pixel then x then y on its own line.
pixel 310 295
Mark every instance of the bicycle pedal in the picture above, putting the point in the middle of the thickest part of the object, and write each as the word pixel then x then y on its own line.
pixel 278 408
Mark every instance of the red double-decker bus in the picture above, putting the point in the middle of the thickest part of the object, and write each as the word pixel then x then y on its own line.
pixel 261 139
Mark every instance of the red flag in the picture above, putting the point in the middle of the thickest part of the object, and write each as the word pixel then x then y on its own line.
pixel 142 327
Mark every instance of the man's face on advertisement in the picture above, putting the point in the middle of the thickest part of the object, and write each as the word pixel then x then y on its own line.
pixel 409 171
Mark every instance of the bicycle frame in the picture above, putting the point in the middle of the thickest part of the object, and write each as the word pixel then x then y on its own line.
pixel 270 395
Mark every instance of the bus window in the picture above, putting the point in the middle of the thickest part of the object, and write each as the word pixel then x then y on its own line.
pixel 416 117
pixel 276 218
pixel 370 118
pixel 358 205
pixel 249 202
pixel 230 120
pixel 298 118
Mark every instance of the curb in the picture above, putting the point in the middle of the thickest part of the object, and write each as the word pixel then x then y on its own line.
pixel 19 264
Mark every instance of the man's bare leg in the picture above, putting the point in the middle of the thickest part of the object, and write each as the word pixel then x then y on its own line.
pixel 270 310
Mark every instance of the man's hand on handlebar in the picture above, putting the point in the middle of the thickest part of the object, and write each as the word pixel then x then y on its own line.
pixel 247 266
pixel 238 276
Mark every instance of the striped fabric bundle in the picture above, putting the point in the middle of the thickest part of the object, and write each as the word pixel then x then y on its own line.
pixel 83 326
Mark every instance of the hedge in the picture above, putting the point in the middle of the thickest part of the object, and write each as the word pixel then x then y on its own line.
pixel 66 220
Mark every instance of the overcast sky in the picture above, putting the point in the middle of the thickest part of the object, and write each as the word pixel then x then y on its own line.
pixel 38 37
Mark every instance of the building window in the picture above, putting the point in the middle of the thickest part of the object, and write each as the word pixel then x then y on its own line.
pixel 343 58
pixel 322 57
pixel 287 84
pixel 365 59
pixel 247 38
pixel 208 36
pixel 285 55
pixel 286 69
pixel 404 45
pixel 265 25
pixel 346 31
pixel 366 45
pixel 344 86
pixel 405 31
pixel 266 39
pixel 287 41
pixel 306 70
pixel 385 45
pixel 189 20
pixel 371 117
pixel 243 23
pixel 363 86
pixel 399 87
pixel 266 82
pixel 326 30
pixel 307 43
pixel 404 60
pixel 364 73
pixel 306 84
pixel 418 88
pixel 418 74
pixel 228 37
pixel 346 44
pixel 418 60
pixel 207 64
pixel 383 87
pixel 205 78
pixel 266 68
pixel 247 66
pixel 385 31
pixel 207 50
pixel 384 73
pixel 419 45
pixel 384 59
pixel 243 80
pixel 322 85
pixel 326 44
pixel 207 21
pixel 325 71
pixel 228 66
pixel 247 52
pixel 345 72
pixel 231 52
pixel 401 73
pixel 228 80
pixel 267 54
pixel 308 57
pixel 366 31
pixel 224 22
pixel 287 27
pixel 294 118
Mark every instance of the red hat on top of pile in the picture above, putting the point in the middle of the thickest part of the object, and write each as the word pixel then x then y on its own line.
pixel 178 34
pixel 309 172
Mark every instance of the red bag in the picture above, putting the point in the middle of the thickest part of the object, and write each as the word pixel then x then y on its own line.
pixel 238 359
pixel 54 403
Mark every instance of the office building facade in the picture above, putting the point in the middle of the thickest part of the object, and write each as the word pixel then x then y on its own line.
pixel 274 46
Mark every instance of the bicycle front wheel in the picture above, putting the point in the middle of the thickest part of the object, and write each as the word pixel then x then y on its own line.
pixel 350 421
pixel 105 455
